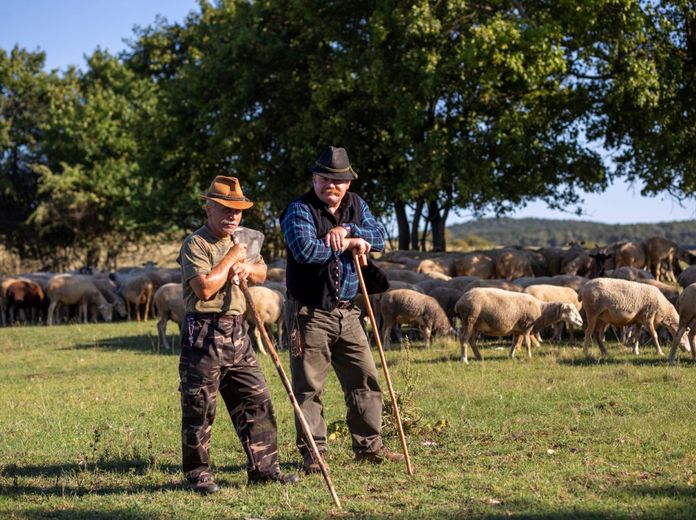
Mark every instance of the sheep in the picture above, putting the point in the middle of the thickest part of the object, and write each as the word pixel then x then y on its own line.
pixel 428 285
pixel 269 305
pixel 447 298
pixel 25 297
pixel 565 280
pixel 496 284
pixel 407 306
pixel 612 301
pixel 687 276
pixel 687 322
pixel 275 274
pixel 404 275
pixel 137 290
pixel 556 293
pixel 169 302
pixel 481 265
pixel 442 265
pixel 497 312
pixel 459 282
pixel 629 273
pixel 70 290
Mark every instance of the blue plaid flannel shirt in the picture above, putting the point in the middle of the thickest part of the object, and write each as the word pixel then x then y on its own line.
pixel 301 238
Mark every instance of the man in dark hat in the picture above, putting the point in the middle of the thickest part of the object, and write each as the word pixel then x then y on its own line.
pixel 322 228
pixel 216 354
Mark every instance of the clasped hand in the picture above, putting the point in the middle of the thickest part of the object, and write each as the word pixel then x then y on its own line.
pixel 336 239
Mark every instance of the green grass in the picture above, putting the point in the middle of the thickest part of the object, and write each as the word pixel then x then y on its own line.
pixel 89 428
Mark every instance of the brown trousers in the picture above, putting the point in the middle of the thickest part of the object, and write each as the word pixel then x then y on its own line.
pixel 336 338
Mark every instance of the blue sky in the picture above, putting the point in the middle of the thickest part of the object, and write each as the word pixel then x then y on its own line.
pixel 67 30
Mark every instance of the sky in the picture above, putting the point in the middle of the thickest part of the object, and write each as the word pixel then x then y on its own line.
pixel 67 30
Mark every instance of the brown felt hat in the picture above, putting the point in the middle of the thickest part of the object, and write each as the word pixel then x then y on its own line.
pixel 333 164
pixel 228 192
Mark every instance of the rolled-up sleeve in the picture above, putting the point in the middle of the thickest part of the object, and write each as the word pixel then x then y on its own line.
pixel 369 228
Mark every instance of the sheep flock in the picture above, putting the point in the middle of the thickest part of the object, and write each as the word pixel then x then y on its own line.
pixel 645 292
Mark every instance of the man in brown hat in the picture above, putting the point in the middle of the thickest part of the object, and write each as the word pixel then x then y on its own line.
pixel 216 354
pixel 321 229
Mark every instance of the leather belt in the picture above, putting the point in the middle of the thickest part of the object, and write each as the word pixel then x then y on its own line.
pixel 345 304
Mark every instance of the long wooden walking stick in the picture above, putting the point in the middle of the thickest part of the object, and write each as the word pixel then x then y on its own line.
pixel 288 388
pixel 361 260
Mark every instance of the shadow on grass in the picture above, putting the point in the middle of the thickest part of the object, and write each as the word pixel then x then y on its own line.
pixel 79 480
pixel 145 343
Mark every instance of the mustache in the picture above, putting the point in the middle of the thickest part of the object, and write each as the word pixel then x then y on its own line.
pixel 332 192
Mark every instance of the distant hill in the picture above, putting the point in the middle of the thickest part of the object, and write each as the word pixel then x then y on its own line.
pixel 546 232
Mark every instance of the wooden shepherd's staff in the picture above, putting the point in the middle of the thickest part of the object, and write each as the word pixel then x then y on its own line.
pixel 361 260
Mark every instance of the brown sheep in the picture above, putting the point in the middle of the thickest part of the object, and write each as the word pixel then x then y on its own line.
pixel 407 306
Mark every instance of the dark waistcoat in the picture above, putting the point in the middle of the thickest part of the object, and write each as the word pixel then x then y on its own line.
pixel 318 285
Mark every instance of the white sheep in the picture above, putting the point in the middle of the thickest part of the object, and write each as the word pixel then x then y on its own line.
pixel 612 301
pixel 687 321
pixel 497 312
pixel 556 293
pixel 169 302
pixel 269 305
pixel 414 308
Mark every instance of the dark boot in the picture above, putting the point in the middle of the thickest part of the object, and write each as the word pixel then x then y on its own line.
pixel 309 465
pixel 205 485
pixel 278 476
pixel 382 455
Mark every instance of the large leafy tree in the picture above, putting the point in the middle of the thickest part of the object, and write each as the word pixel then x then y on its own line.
pixel 24 102
pixel 441 105
pixel 93 196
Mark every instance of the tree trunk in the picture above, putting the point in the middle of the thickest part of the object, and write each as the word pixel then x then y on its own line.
pixel 417 214
pixel 438 226
pixel 402 223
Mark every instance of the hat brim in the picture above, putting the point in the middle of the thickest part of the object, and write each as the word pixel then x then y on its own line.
pixel 342 176
pixel 234 204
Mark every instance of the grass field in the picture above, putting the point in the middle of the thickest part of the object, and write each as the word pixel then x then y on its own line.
pixel 89 428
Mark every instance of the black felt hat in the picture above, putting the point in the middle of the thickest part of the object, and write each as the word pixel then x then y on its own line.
pixel 333 164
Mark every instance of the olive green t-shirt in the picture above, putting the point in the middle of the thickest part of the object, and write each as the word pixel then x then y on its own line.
pixel 200 252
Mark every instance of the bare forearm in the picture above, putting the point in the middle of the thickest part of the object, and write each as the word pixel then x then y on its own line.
pixel 257 273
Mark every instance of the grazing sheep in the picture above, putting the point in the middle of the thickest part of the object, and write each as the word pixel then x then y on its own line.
pixel 460 282
pixel 671 292
pixel 27 298
pixel 495 284
pixel 269 305
pixel 428 285
pixel 511 263
pixel 687 322
pixel 480 265
pixel 612 301
pixel 556 293
pixel 497 312
pixel 404 275
pixel 69 290
pixel 629 273
pixel 687 276
pixel 442 265
pixel 447 298
pixel 564 280
pixel 169 302
pixel 407 306
pixel 137 290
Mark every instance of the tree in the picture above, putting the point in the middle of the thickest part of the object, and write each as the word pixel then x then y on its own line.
pixel 24 96
pixel 441 105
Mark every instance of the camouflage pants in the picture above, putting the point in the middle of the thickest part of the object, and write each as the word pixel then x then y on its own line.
pixel 336 338
pixel 216 357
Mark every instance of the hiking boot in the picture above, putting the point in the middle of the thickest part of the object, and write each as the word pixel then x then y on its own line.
pixel 309 465
pixel 278 476
pixel 205 485
pixel 377 457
